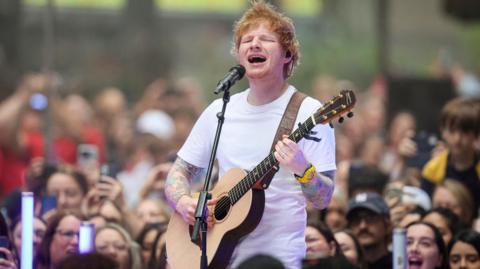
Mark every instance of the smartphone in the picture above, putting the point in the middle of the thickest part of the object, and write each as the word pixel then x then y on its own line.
pixel 108 170
pixel 394 196
pixel 87 155
pixel 38 101
pixel 49 202
pixel 4 243
pixel 425 142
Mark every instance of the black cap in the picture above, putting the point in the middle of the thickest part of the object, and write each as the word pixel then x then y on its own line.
pixel 368 200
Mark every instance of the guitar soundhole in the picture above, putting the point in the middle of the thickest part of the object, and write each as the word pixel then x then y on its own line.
pixel 222 208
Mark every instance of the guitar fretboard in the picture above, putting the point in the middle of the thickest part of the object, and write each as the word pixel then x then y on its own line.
pixel 266 165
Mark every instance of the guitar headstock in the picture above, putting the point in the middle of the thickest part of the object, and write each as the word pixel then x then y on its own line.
pixel 336 107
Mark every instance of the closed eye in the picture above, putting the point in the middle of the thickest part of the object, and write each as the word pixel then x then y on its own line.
pixel 268 39
pixel 246 40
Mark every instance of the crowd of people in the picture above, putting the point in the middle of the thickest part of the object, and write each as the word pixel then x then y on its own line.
pixel 106 161
pixel 377 188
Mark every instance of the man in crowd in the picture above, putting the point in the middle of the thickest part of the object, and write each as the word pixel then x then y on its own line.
pixel 369 219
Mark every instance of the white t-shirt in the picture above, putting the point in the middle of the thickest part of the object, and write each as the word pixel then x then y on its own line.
pixel 246 139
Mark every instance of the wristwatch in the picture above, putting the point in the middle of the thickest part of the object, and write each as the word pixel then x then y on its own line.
pixel 307 176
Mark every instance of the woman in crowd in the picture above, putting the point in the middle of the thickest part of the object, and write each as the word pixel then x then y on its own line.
pixel 323 251
pixel 158 254
pixel 350 247
pixel 464 250
pixel 151 211
pixel 320 241
pixel 110 212
pixel 113 241
pixel 146 238
pixel 39 229
pixel 445 221
pixel 454 195
pixel 60 240
pixel 425 247
pixel 69 186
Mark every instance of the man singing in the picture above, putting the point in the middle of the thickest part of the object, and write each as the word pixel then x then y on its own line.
pixel 265 44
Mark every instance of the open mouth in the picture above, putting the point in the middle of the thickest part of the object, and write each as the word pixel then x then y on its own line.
pixel 414 264
pixel 256 59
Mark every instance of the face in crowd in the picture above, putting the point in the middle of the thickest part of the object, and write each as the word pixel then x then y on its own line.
pixel 423 248
pixel 464 251
pixel 65 239
pixel 317 244
pixel 39 228
pixel 67 190
pixel 151 211
pixel 347 245
pixel 112 243
pixel 464 255
pixel 369 227
pixel 441 224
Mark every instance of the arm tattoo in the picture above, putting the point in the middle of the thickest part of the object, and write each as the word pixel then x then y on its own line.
pixel 319 190
pixel 178 180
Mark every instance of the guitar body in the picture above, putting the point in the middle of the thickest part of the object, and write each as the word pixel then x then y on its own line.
pixel 239 219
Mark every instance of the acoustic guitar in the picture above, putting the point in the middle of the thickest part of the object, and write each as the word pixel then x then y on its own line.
pixel 240 206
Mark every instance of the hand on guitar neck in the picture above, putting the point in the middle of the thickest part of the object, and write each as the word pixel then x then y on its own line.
pixel 186 208
pixel 289 155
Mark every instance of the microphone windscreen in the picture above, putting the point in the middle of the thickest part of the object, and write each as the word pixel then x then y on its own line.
pixel 240 69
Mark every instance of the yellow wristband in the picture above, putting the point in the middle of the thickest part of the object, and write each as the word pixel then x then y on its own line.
pixel 307 176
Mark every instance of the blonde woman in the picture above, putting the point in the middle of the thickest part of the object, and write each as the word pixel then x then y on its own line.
pixel 113 241
pixel 454 195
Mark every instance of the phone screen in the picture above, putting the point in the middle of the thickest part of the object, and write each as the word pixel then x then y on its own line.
pixel 425 142
pixel 38 101
pixel 109 170
pixel 87 155
pixel 49 202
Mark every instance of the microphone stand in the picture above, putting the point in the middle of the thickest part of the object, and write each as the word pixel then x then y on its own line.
pixel 201 210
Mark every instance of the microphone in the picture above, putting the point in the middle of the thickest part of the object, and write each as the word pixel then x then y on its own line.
pixel 235 73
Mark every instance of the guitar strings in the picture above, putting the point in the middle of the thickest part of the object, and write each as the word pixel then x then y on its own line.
pixel 235 191
pixel 223 204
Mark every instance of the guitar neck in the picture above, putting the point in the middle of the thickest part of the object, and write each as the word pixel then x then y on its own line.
pixel 267 165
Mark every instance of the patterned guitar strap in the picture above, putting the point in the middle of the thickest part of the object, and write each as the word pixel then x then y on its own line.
pixel 284 128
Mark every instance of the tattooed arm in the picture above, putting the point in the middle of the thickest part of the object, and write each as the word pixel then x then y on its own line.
pixel 320 189
pixel 177 188
pixel 179 179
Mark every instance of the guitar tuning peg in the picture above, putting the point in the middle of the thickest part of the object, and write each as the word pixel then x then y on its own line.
pixel 331 125
pixel 350 114
pixel 341 119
